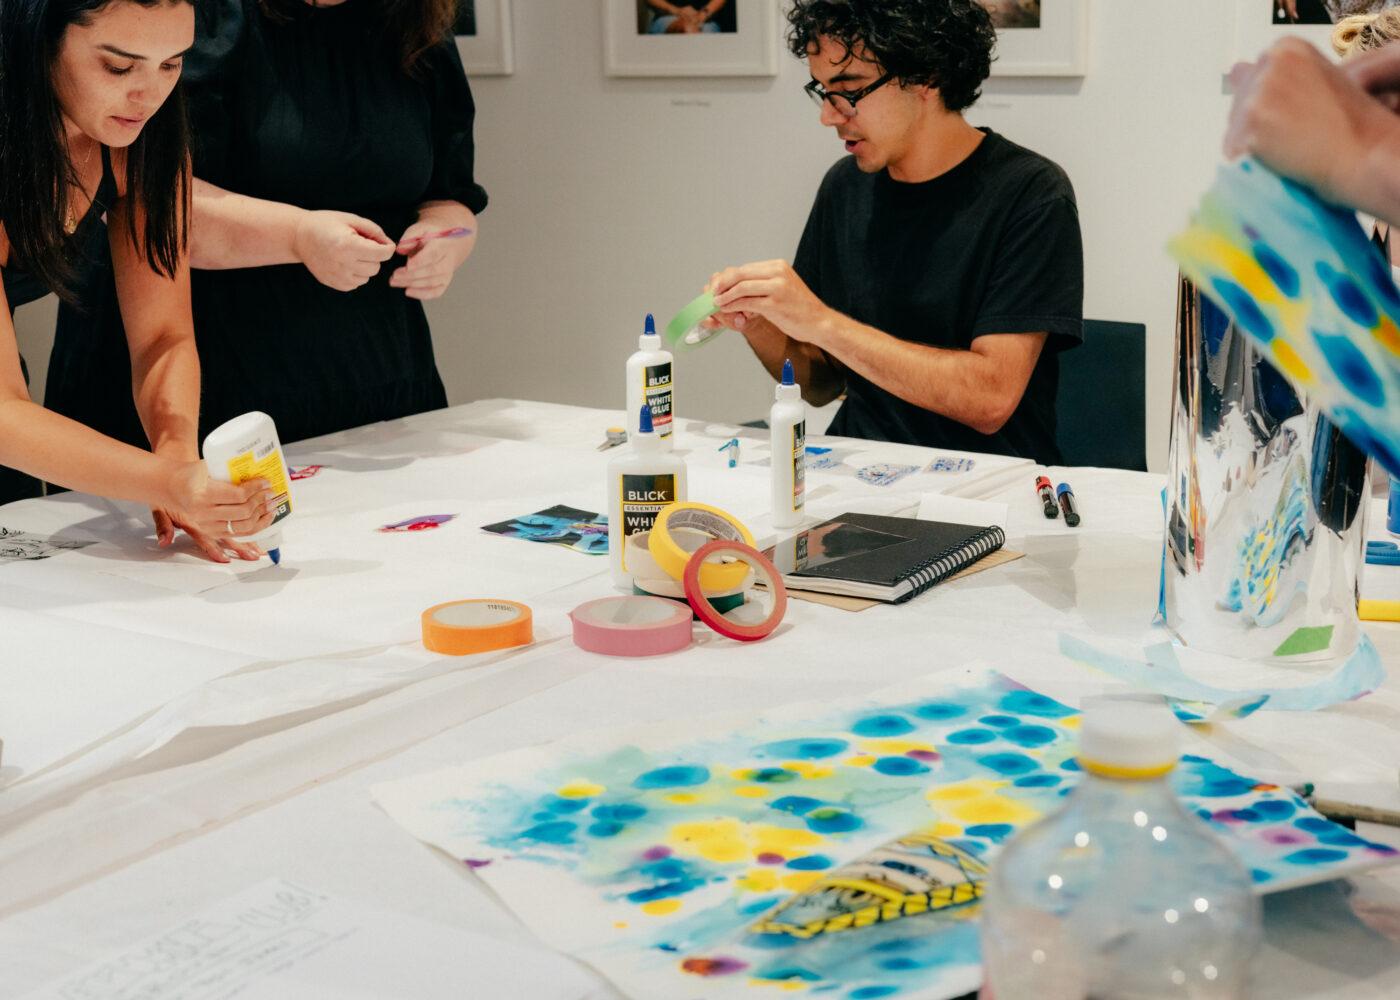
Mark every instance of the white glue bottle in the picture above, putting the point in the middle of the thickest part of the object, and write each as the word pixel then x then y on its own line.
pixel 641 483
pixel 787 431
pixel 247 448
pixel 650 380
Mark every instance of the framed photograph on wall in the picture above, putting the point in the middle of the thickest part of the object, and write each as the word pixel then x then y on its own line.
pixel 690 37
pixel 1040 37
pixel 482 29
pixel 1260 23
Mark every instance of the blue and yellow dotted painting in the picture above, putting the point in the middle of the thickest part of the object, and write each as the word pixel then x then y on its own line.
pixel 1302 279
pixel 837 852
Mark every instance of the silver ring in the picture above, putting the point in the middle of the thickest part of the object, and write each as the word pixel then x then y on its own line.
pixel 230 528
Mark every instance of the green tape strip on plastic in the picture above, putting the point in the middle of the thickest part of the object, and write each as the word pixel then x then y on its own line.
pixel 684 332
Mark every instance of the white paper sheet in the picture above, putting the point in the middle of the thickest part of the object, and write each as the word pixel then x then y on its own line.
pixel 282 941
pixel 956 510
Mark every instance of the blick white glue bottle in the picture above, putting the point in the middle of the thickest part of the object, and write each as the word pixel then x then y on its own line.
pixel 787 430
pixel 650 380
pixel 641 483
pixel 247 448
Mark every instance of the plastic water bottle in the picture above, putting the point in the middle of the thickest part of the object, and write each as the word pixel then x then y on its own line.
pixel 1122 894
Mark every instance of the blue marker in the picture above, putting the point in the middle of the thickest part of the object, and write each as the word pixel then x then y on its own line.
pixel 1066 496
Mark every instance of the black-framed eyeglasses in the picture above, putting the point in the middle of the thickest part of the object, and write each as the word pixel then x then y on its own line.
pixel 844 101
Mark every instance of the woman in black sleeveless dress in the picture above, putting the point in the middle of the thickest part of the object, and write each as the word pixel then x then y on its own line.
pixel 88 127
pixel 328 138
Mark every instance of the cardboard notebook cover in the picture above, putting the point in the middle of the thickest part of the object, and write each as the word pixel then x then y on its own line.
pixel 885 558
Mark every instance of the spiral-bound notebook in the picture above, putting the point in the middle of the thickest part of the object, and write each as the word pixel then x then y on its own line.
pixel 884 558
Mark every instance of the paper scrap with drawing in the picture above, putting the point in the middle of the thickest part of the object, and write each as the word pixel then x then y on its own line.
pixel 423 522
pixel 21 546
pixel 582 530
pixel 281 940
pixel 1301 278
pixel 666 857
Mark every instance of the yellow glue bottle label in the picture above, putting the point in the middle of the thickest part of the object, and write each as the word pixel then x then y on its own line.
pixel 266 464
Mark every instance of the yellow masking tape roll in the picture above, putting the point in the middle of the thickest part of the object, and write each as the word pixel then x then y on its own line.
pixel 681 528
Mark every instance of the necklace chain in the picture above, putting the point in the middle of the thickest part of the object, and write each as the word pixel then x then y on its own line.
pixel 70 224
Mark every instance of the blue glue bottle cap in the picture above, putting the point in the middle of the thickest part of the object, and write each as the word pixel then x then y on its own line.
pixel 650 330
pixel 644 420
pixel 787 372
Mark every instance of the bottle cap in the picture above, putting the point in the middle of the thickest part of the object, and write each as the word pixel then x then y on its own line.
pixel 644 425
pixel 787 388
pixel 649 341
pixel 1128 738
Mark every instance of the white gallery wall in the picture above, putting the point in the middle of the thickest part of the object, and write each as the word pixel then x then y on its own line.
pixel 612 197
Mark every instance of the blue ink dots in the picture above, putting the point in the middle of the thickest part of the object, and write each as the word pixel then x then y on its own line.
pixel 1275 809
pixel 1029 736
pixel 1260 876
pixel 900 766
pixel 999 721
pixel 1240 305
pixel 562 806
pixel 1352 368
pixel 1383 278
pixel 1280 272
pixel 830 819
pixel 995 832
pixel 872 992
pixel 798 805
pixel 810 863
pixel 1350 299
pixel 936 711
pixel 557 832
pixel 901 963
pixel 1314 824
pixel 1038 781
pixel 1070 765
pixel 606 828
pixel 1030 703
pixel 883 725
pixel 1009 763
pixel 623 812
pixel 1316 856
pixel 675 776
pixel 814 749
pixel 971 737
pixel 772 775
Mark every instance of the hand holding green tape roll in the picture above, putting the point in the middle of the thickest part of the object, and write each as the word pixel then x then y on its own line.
pixel 684 332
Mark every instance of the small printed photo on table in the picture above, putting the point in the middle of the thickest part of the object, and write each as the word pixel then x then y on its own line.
pixel 464 24
pixel 687 17
pixel 1014 13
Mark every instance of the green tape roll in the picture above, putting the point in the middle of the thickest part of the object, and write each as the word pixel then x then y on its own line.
pixel 684 332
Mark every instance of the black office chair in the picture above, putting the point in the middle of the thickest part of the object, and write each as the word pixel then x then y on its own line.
pixel 1102 406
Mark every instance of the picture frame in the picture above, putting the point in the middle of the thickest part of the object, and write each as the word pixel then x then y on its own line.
pixel 487 47
pixel 1057 46
pixel 742 41
pixel 1255 30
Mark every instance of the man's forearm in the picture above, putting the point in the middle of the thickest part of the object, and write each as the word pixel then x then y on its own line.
pixel 821 382
pixel 978 387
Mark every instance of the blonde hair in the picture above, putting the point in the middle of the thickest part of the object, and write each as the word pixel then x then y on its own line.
pixel 1364 32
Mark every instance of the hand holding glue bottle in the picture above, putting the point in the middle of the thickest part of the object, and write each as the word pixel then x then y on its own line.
pixel 247 448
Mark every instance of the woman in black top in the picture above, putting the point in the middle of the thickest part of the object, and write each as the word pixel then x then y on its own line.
pixel 86 130
pixel 329 140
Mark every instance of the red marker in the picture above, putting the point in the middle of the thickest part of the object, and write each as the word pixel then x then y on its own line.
pixel 1047 497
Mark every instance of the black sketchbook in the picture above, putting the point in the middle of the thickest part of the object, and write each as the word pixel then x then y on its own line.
pixel 884 558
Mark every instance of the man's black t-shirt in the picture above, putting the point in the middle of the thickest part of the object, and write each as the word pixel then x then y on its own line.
pixel 992 246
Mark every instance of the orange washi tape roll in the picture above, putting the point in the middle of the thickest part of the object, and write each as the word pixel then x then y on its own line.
pixel 459 628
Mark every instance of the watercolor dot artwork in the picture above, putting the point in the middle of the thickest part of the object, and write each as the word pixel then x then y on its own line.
pixel 1305 282
pixel 633 851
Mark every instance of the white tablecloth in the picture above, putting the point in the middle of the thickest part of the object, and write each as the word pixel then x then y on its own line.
pixel 175 732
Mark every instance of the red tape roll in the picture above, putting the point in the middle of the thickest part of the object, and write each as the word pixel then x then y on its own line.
pixel 725 624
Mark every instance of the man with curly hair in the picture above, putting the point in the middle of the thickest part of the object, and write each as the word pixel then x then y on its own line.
pixel 941 271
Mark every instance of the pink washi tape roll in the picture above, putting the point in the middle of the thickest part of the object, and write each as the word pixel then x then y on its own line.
pixel 736 624
pixel 631 626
